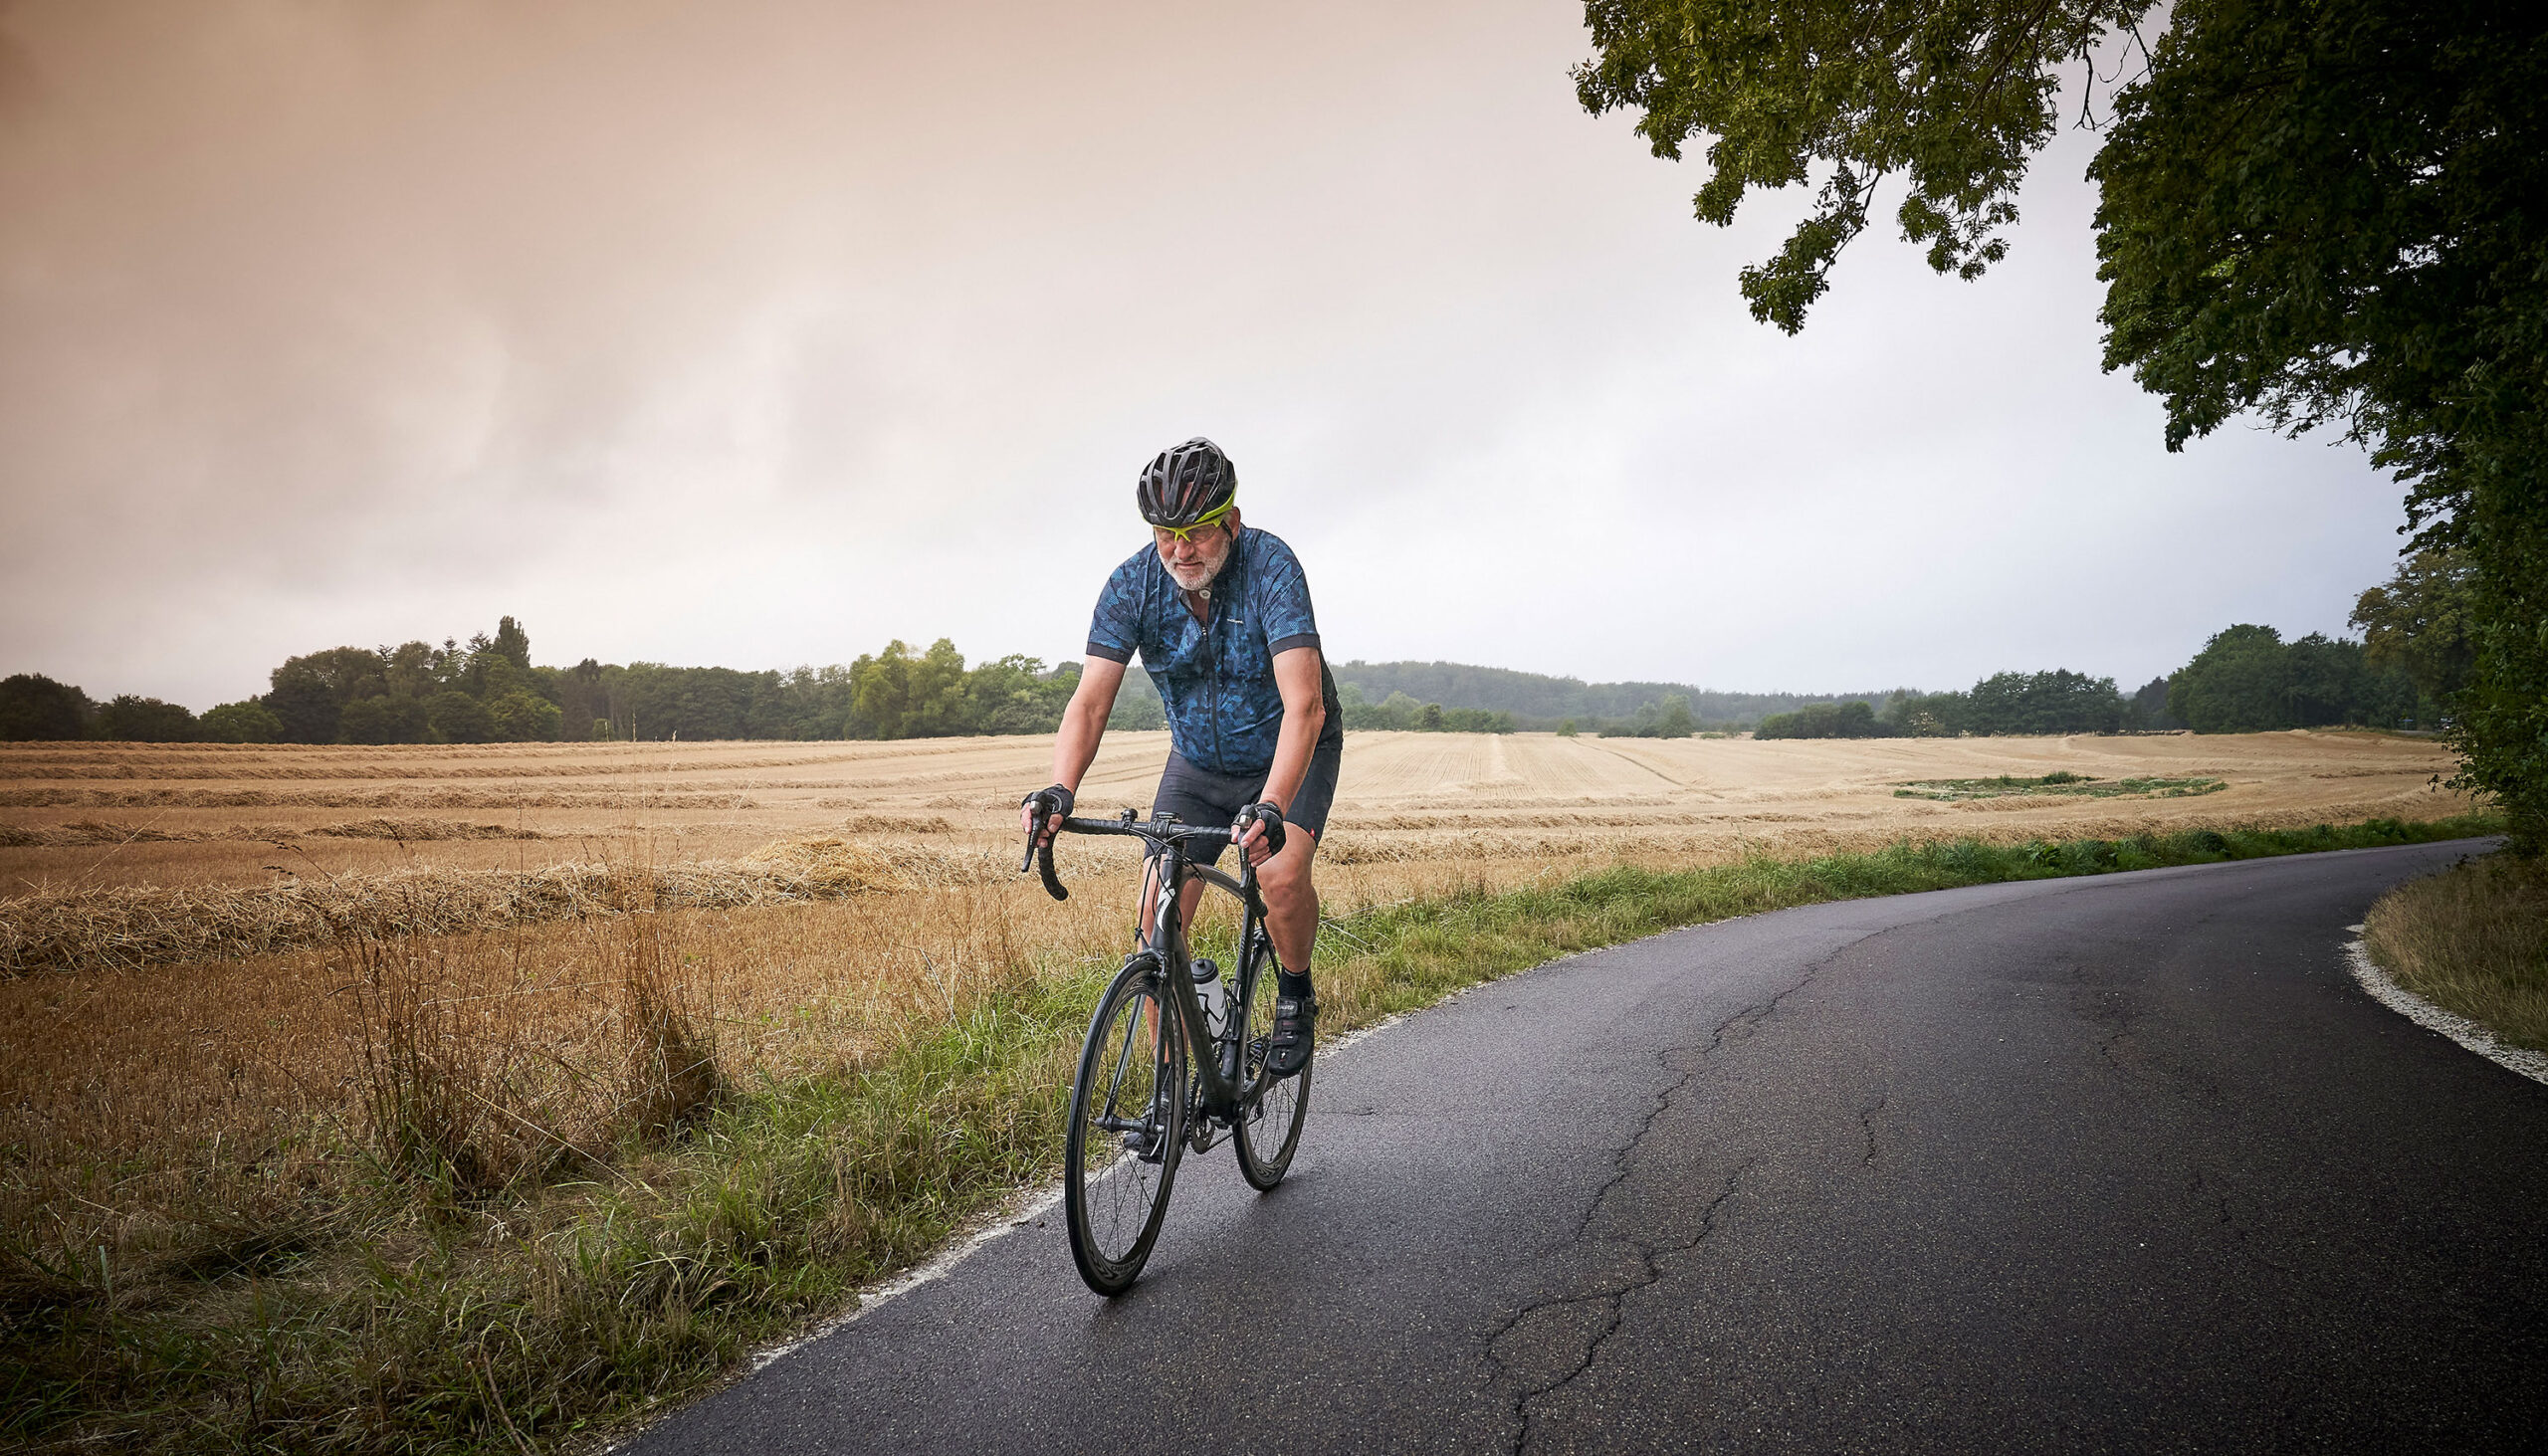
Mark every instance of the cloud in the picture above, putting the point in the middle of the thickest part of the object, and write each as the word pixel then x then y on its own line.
pixel 763 333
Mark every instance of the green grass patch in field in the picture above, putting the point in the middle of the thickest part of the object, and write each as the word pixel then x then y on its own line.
pixel 2060 784
pixel 533 1321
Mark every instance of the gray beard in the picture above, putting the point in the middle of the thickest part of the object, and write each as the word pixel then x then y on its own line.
pixel 1202 578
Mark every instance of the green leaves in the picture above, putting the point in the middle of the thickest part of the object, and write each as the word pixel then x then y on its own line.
pixel 1955 95
pixel 2321 211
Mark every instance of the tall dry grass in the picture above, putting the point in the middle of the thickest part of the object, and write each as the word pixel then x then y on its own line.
pixel 463 1083
pixel 140 1101
pixel 2472 939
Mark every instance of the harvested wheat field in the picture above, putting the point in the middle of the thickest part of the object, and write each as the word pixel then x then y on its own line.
pixel 77 816
pixel 119 856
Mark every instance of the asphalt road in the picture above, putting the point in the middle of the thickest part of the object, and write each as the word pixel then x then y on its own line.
pixel 2120 1163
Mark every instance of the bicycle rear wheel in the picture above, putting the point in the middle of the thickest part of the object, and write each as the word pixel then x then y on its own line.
pixel 1269 1121
pixel 1127 1110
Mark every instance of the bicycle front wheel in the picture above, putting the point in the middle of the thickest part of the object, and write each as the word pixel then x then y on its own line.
pixel 1126 1132
pixel 1271 1117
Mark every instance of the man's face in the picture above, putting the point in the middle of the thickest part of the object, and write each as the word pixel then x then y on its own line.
pixel 1196 560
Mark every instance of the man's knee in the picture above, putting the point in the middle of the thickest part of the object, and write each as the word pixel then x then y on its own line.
pixel 1286 877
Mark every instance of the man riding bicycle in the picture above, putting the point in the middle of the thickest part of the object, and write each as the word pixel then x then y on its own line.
pixel 1220 615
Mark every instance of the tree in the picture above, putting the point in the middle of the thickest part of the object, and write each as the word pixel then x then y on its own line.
pixel 1015 695
pixel 416 670
pixel 35 708
pixel 309 692
pixel 1675 720
pixel 2320 211
pixel 880 693
pixel 2055 702
pixel 2418 623
pixel 2326 678
pixel 1953 94
pixel 247 722
pixel 135 720
pixel 582 697
pixel 937 704
pixel 2148 709
pixel 2238 684
pixel 1853 719
pixel 524 716
pixel 453 717
pixel 1918 715
pixel 512 643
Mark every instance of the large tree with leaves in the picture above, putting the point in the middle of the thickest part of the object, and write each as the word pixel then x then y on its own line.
pixel 2320 211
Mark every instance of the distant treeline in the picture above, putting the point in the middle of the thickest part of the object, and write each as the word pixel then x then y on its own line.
pixel 2245 680
pixel 1535 700
pixel 2056 702
pixel 2414 656
pixel 489 691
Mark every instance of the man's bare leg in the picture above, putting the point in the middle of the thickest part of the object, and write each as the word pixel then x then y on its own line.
pixel 1291 900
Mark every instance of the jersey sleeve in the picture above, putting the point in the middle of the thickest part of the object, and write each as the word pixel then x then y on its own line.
pixel 1115 631
pixel 1283 602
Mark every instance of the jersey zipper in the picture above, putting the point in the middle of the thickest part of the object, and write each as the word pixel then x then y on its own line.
pixel 1212 671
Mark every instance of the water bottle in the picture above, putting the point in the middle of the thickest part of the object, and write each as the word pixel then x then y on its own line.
pixel 1207 988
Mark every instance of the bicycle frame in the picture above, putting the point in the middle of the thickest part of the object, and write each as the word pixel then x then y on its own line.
pixel 1225 1098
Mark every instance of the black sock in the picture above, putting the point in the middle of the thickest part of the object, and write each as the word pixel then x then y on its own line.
pixel 1287 983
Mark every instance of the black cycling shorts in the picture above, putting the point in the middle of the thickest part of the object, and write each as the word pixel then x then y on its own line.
pixel 1198 796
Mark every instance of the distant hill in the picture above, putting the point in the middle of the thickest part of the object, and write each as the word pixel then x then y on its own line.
pixel 1538 701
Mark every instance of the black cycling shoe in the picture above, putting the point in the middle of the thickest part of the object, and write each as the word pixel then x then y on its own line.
pixel 1295 1029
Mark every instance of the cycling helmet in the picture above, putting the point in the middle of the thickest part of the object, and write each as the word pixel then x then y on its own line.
pixel 1188 486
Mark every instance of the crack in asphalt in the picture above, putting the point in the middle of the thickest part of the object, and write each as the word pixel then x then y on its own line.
pixel 1610 1304
pixel 1866 1127
pixel 1612 1307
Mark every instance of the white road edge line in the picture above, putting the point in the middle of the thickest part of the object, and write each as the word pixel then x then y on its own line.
pixel 2431 1017
pixel 1013 1213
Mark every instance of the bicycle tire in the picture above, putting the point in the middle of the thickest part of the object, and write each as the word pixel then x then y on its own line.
pixel 1113 1199
pixel 1269 1125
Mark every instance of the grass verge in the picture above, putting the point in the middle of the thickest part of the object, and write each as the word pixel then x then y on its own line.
pixel 421 1316
pixel 2472 939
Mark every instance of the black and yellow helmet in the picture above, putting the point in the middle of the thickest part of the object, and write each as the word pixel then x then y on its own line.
pixel 1188 486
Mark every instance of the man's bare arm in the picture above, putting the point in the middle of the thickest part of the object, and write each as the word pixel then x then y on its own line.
pixel 1297 674
pixel 1082 729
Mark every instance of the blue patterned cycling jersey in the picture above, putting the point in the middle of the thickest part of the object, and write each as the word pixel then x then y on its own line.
pixel 1217 682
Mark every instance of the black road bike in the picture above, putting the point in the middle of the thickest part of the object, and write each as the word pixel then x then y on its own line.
pixel 1162 1073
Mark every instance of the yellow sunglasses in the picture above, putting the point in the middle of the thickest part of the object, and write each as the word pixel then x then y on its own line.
pixel 1211 517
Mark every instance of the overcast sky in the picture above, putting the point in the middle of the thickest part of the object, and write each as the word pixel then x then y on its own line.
pixel 757 333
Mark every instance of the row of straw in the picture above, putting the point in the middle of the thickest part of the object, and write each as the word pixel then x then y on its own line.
pixel 88 832
pixel 448 798
pixel 123 927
